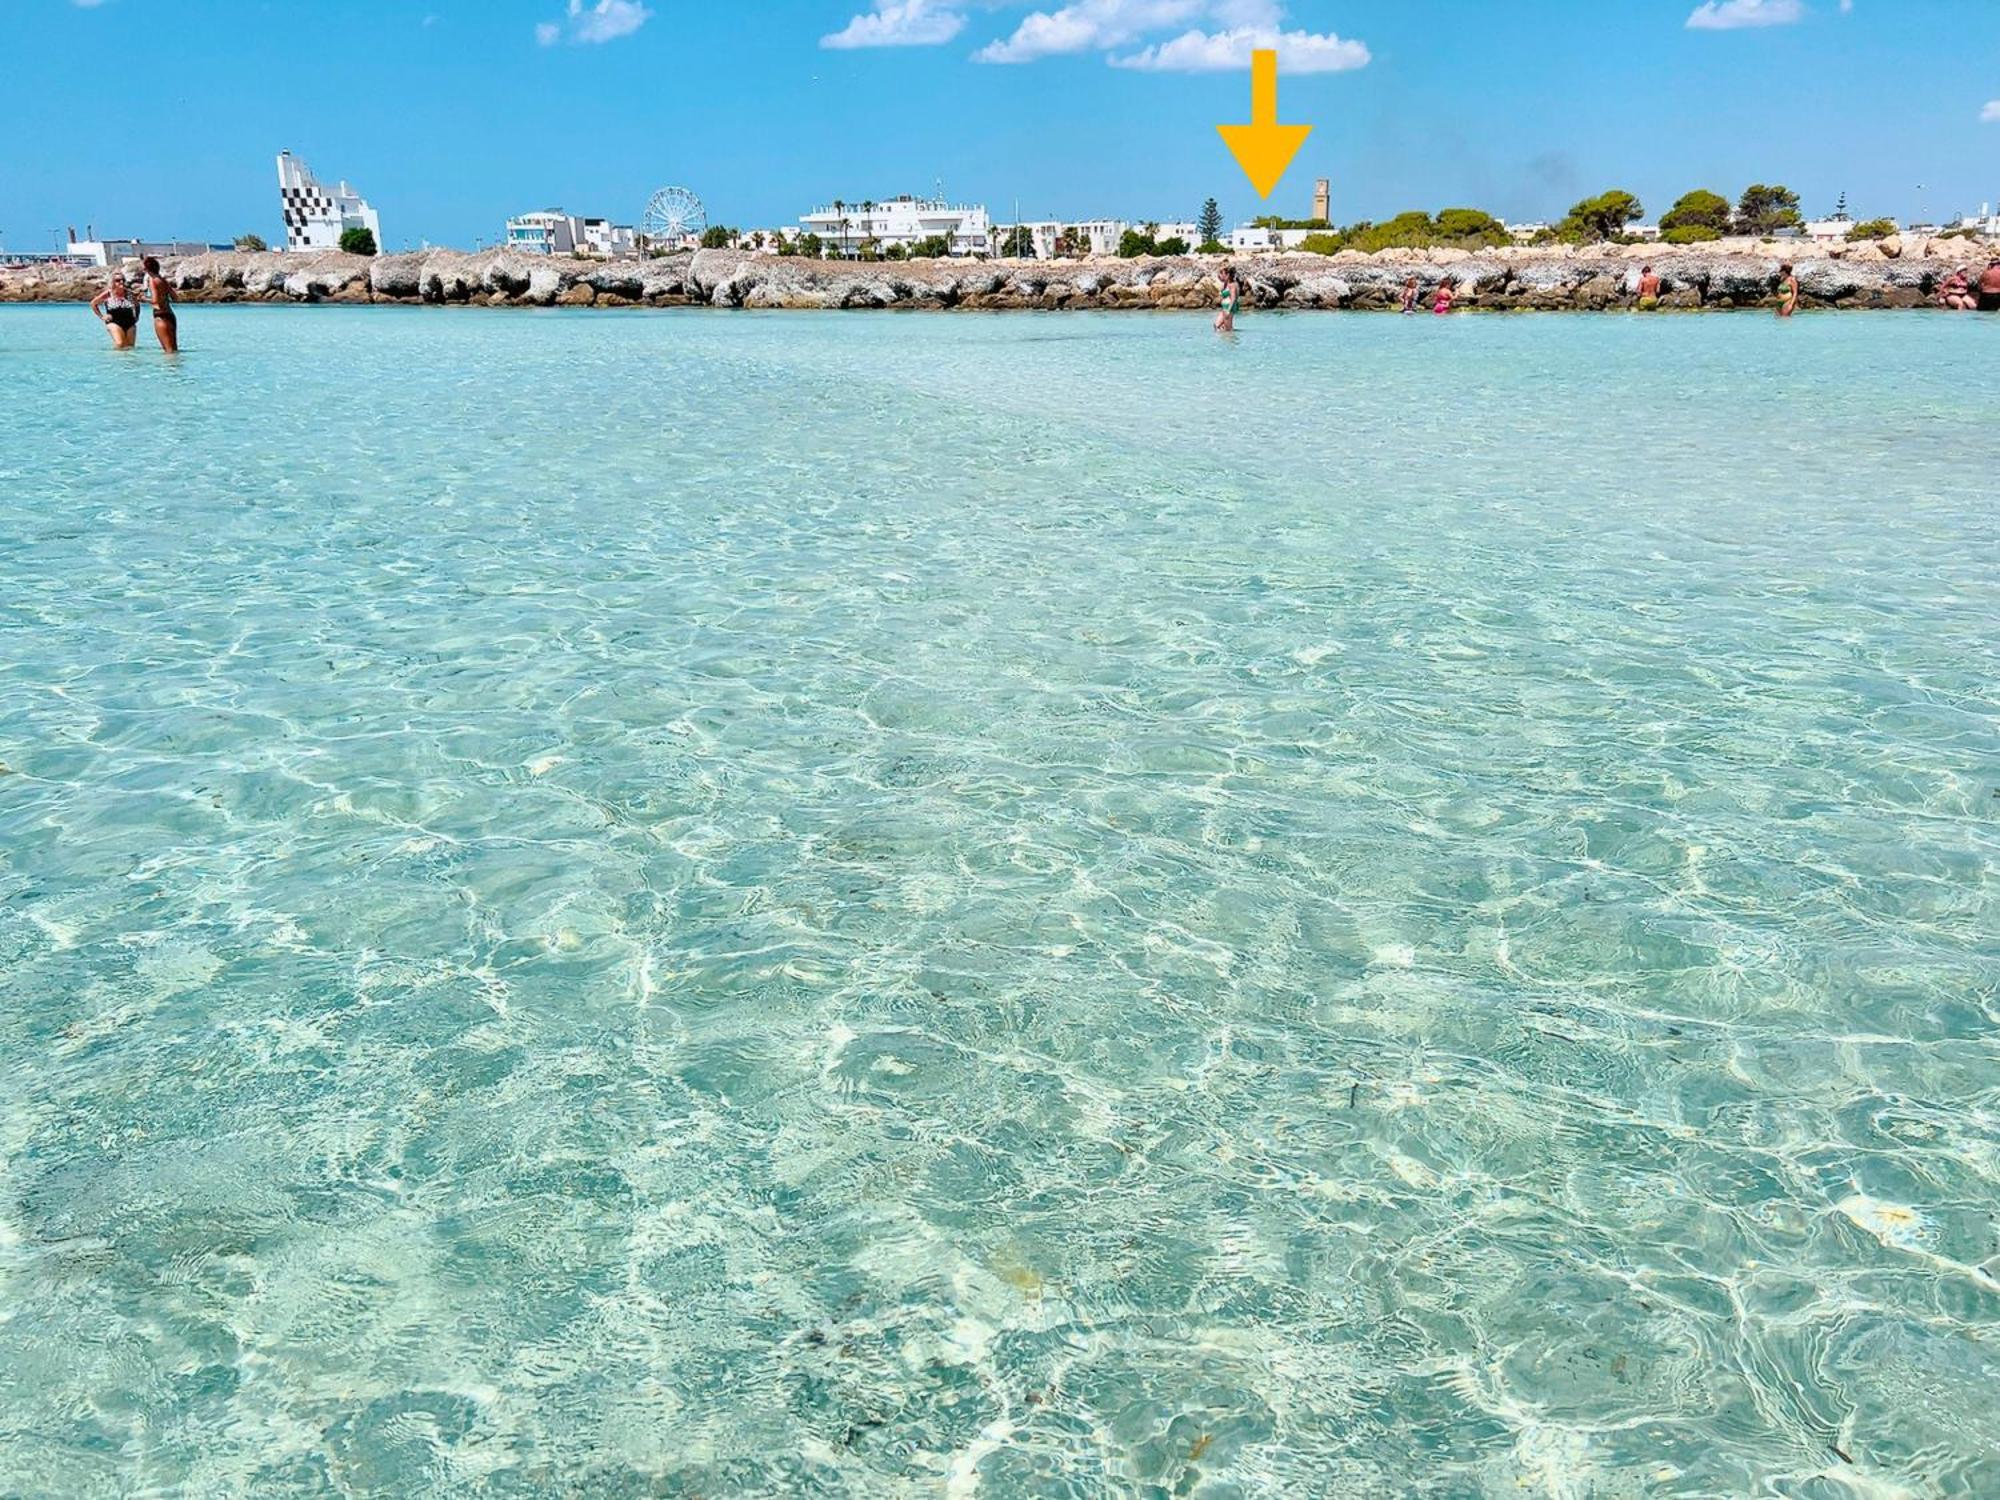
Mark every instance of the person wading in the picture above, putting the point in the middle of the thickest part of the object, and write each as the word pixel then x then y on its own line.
pixel 117 309
pixel 166 326
pixel 1788 291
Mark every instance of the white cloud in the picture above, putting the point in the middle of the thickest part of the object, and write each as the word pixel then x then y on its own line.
pixel 1228 51
pixel 1991 114
pixel 1734 15
pixel 1234 29
pixel 602 21
pixel 900 23
pixel 1087 25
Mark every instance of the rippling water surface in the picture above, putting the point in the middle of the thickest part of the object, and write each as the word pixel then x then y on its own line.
pixel 672 905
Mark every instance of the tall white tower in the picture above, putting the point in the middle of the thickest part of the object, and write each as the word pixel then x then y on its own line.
pixel 316 215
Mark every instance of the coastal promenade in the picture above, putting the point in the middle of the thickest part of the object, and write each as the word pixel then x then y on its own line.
pixel 1730 274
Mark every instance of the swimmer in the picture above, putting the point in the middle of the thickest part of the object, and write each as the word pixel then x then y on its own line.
pixel 117 310
pixel 1441 304
pixel 1410 294
pixel 1788 291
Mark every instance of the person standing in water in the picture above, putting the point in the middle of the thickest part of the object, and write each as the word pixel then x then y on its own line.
pixel 1410 293
pixel 166 326
pixel 1441 304
pixel 118 310
pixel 1649 290
pixel 1788 291
pixel 1232 299
pixel 1989 287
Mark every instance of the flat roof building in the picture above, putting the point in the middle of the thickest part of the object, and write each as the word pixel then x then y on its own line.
pixel 553 232
pixel 848 228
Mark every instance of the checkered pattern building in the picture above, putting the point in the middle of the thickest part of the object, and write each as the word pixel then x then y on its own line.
pixel 316 215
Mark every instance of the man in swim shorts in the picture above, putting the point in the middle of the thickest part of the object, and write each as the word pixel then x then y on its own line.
pixel 1649 290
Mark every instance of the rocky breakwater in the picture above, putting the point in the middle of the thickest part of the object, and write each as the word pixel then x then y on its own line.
pixel 1732 274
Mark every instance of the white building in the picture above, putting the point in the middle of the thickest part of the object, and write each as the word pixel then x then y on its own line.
pixel 1985 222
pixel 553 232
pixel 96 252
pixel 847 227
pixel 1524 234
pixel 548 232
pixel 315 215
pixel 602 237
pixel 1822 231
pixel 1049 237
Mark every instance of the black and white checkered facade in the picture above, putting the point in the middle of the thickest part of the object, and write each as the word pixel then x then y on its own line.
pixel 316 215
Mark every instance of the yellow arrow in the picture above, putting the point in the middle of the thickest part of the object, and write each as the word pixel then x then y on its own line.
pixel 1264 149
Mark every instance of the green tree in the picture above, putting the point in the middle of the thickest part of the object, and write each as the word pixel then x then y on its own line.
pixel 1689 234
pixel 930 247
pixel 1074 241
pixel 812 247
pixel 1322 244
pixel 1873 229
pixel 1407 231
pixel 1470 227
pixel 1699 209
pixel 1173 246
pixel 251 242
pixel 1766 209
pixel 717 237
pixel 1018 243
pixel 1601 218
pixel 1132 244
pixel 1208 223
pixel 358 241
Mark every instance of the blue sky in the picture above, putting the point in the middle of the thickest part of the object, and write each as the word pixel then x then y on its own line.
pixel 161 117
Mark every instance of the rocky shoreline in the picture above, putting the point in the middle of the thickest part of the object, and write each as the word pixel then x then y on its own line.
pixel 1733 274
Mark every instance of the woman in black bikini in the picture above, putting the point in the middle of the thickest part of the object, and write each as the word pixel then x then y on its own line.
pixel 116 310
pixel 166 326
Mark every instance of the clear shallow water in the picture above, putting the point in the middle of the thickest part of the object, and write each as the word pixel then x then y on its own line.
pixel 673 905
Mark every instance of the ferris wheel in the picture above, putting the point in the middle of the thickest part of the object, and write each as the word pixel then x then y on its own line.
pixel 673 216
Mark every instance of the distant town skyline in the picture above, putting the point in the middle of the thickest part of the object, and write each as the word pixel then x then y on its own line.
pixel 452 115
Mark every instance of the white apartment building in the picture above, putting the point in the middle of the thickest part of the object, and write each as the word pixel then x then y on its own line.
pixel 846 227
pixel 315 215
pixel 1046 236
pixel 553 232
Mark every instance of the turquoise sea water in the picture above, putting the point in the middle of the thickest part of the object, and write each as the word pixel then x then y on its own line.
pixel 671 905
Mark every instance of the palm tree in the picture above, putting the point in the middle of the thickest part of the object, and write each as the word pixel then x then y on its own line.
pixel 840 209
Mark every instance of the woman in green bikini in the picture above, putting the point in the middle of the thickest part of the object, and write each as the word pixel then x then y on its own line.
pixel 1232 299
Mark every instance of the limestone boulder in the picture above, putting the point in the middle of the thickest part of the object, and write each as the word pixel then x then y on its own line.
pixel 399 276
